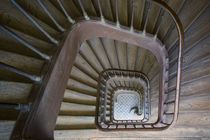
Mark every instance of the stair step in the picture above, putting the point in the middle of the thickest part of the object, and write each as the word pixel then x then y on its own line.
pixel 193 72
pixel 80 87
pixel 189 13
pixel 193 103
pixel 121 48
pixel 99 52
pixel 8 43
pixel 152 19
pixel 140 61
pixel 77 109
pixel 82 64
pixel 197 86
pixel 90 56
pixel 110 48
pixel 201 119
pixel 198 30
pixel 196 53
pixel 84 122
pixel 74 122
pixel 155 69
pixel 24 63
pixel 15 19
pixel 176 133
pixel 76 97
pixel 149 61
pixel 6 128
pixel 41 14
pixel 14 92
pixel 131 56
pixel 167 20
pixel 79 75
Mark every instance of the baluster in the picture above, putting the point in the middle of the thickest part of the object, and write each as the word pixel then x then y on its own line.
pixel 100 10
pixel 83 10
pixel 15 70
pixel 26 44
pixel 148 8
pixel 35 23
pixel 117 16
pixel 15 106
pixel 50 16
pixel 65 12
pixel 132 15
pixel 159 22
pixel 171 28
pixel 125 83
pixel 160 17
pixel 129 84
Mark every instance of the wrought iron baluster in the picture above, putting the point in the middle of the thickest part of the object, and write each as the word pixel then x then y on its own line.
pixel 117 16
pixel 100 10
pixel 15 106
pixel 132 15
pixel 15 70
pixel 50 16
pixel 148 8
pixel 72 21
pixel 83 10
pixel 22 41
pixel 53 40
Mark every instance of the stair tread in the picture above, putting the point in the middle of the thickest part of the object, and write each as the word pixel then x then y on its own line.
pixel 198 30
pixel 189 13
pixel 90 56
pixel 193 103
pixel 201 119
pixel 6 128
pixel 99 51
pixel 74 122
pixel 131 52
pixel 76 109
pixel 25 63
pixel 15 17
pixel 121 54
pixel 110 48
pixel 122 12
pixel 80 87
pixel 76 97
pixel 176 132
pixel 196 53
pixel 14 92
pixel 82 76
pixel 167 21
pixel 82 64
pixel 78 120
pixel 193 72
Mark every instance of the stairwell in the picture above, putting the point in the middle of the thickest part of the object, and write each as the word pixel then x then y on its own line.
pixel 23 65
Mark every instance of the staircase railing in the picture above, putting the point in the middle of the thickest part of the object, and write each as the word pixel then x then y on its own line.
pixel 49 88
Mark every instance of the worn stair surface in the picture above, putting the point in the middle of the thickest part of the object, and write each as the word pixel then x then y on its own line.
pixel 77 113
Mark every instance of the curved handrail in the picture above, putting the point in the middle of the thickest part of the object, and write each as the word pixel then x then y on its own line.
pixel 180 54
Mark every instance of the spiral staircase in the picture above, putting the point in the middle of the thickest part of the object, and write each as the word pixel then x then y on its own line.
pixel 35 34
